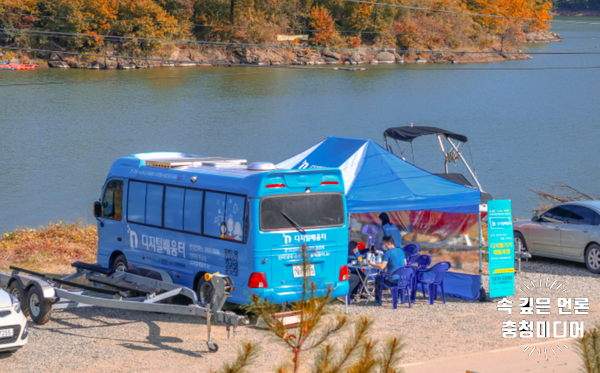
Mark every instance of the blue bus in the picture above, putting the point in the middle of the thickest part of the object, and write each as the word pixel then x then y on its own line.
pixel 188 215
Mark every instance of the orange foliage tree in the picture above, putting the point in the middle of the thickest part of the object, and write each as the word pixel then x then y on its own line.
pixel 321 20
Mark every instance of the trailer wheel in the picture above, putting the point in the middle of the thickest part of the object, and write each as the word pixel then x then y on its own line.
pixel 212 347
pixel 39 307
pixel 17 290
pixel 205 292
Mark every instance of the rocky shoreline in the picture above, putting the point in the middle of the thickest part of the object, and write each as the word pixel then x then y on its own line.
pixel 298 56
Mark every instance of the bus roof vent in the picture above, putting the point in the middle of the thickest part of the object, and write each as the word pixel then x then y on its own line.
pixel 261 166
pixel 196 161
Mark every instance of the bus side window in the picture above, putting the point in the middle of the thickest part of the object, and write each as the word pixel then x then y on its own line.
pixel 112 203
pixel 235 217
pixel 192 214
pixel 136 204
pixel 174 208
pixel 214 214
pixel 224 216
pixel 154 204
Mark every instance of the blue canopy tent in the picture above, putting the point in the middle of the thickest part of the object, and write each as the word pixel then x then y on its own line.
pixel 377 180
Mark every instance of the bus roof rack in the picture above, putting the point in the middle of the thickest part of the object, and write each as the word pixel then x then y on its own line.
pixel 195 161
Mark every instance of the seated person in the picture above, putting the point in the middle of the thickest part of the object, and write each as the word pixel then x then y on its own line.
pixel 354 252
pixel 393 258
pixel 355 275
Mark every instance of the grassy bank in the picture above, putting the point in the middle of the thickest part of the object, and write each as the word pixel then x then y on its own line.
pixel 50 248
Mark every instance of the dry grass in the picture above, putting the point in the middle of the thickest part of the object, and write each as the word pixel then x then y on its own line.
pixel 50 248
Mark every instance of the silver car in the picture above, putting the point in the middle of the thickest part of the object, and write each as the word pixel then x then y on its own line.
pixel 568 231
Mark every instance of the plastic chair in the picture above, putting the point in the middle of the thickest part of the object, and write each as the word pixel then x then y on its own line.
pixel 410 251
pixel 405 280
pixel 422 261
pixel 439 270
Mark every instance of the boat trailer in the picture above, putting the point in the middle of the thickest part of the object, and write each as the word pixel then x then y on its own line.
pixel 139 289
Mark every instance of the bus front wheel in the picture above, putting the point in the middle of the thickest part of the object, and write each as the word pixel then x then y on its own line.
pixel 119 263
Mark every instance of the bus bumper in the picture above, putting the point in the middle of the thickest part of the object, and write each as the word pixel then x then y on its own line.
pixel 340 289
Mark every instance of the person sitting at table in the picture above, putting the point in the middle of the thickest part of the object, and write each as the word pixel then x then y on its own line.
pixel 393 258
pixel 353 252
pixel 387 229
pixel 355 276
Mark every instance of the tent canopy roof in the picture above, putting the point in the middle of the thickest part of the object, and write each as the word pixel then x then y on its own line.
pixel 377 180
pixel 408 134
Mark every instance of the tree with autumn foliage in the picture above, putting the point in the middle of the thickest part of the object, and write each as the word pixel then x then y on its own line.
pixel 260 21
pixel 324 26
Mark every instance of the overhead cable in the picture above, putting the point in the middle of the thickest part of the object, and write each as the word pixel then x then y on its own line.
pixel 185 24
pixel 230 44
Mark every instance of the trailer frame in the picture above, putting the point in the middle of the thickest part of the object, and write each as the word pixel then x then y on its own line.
pixel 41 293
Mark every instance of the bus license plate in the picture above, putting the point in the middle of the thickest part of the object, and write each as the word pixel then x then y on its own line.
pixel 298 272
pixel 9 332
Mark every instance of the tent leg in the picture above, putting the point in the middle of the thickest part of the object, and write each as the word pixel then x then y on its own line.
pixel 482 296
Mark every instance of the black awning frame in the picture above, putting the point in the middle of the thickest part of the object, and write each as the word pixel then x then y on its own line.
pixel 408 134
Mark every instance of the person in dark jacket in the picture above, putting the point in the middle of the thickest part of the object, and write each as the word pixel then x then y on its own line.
pixel 355 276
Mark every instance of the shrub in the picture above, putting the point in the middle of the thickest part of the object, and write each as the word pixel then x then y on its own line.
pixel 313 337
pixel 49 248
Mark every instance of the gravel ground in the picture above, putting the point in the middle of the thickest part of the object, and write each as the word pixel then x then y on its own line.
pixel 95 339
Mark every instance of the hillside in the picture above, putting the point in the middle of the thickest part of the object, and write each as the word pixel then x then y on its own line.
pixel 247 31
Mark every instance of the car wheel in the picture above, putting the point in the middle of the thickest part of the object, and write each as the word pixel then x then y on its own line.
pixel 17 290
pixel 592 258
pixel 520 239
pixel 40 308
pixel 120 263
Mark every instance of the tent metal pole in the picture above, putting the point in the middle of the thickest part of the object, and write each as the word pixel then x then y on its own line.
pixel 480 251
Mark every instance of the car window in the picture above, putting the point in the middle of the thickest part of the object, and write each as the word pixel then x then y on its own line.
pixel 582 215
pixel 556 215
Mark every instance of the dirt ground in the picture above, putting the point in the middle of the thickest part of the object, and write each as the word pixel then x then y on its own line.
pixel 95 339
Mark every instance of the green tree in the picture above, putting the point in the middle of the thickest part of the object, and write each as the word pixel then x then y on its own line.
pixel 313 336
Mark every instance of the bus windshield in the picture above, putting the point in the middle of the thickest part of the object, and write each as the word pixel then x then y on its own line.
pixel 309 211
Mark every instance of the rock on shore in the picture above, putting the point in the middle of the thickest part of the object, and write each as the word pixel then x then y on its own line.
pixel 542 37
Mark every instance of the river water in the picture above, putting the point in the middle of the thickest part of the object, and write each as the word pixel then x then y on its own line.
pixel 526 128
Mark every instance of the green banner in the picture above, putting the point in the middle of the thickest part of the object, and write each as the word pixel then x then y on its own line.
pixel 501 249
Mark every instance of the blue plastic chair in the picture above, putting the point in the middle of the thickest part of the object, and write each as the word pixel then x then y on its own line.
pixel 421 262
pixel 405 280
pixel 410 251
pixel 440 270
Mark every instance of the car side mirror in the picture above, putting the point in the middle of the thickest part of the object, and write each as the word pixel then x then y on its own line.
pixel 535 218
pixel 97 209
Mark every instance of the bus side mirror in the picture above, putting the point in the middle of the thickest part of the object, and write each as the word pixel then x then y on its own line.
pixel 97 209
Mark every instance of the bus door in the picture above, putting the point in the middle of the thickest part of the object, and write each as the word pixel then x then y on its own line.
pixel 316 220
pixel 110 225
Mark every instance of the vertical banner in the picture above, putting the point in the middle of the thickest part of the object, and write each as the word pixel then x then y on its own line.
pixel 501 249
